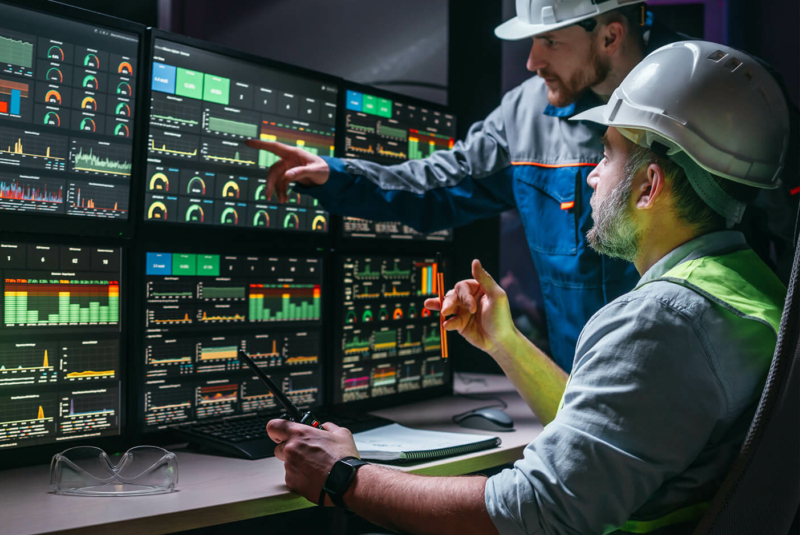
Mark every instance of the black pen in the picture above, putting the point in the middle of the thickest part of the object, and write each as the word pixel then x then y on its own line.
pixel 293 414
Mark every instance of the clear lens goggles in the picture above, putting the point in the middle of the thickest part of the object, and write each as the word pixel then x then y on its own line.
pixel 89 471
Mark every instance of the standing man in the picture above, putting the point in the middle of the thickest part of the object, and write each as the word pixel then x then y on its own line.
pixel 667 377
pixel 526 154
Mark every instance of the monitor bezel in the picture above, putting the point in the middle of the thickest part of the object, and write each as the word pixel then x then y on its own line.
pixel 149 230
pixel 75 225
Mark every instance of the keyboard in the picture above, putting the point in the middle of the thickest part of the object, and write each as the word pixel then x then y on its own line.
pixel 246 436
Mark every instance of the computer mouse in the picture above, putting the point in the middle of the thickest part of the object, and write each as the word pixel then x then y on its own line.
pixel 488 419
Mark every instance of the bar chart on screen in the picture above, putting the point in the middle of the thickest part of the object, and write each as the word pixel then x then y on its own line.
pixel 97 199
pixel 38 302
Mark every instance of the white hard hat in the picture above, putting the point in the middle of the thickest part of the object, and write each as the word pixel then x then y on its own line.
pixel 535 17
pixel 707 106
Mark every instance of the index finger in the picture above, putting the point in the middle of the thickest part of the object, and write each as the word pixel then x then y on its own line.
pixel 274 147
pixel 280 430
pixel 433 303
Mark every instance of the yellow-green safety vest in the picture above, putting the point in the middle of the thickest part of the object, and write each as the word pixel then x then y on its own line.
pixel 741 283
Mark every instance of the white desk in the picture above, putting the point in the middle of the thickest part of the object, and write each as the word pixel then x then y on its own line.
pixel 215 490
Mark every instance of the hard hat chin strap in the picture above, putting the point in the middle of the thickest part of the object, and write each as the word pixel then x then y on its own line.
pixel 710 191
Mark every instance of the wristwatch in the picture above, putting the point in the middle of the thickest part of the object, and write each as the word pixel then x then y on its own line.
pixel 339 478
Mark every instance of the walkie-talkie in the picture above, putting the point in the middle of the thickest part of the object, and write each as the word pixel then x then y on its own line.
pixel 292 413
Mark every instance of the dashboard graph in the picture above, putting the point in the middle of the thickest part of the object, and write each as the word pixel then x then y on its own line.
pixel 32 302
pixel 27 363
pixel 97 199
pixel 101 158
pixel 175 113
pixel 390 131
pixel 204 106
pixel 59 338
pixel 173 144
pixel 229 152
pixel 33 149
pixel 201 309
pixel 386 334
pixel 67 108
pixel 89 360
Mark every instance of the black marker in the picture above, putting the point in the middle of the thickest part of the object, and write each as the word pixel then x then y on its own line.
pixel 292 413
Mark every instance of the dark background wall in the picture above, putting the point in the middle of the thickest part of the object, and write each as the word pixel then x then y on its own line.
pixel 367 41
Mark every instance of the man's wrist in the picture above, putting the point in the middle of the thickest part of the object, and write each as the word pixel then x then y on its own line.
pixel 356 488
pixel 507 347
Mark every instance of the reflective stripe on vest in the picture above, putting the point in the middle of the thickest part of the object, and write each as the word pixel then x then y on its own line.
pixel 741 283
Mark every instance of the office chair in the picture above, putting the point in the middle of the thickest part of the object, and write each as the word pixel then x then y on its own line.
pixel 761 494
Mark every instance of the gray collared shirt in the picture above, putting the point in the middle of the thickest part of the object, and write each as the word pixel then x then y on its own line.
pixel 662 393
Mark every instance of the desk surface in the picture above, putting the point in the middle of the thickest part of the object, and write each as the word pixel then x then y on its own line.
pixel 214 490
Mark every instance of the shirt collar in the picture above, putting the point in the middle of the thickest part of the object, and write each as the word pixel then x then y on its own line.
pixel 585 102
pixel 705 245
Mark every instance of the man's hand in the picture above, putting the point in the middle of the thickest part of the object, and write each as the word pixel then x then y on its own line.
pixel 481 310
pixel 309 454
pixel 295 165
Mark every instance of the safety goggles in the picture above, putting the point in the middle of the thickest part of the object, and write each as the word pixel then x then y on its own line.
pixel 89 471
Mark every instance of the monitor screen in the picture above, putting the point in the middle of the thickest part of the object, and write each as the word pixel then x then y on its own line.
pixel 389 131
pixel 59 343
pixel 202 308
pixel 204 106
pixel 388 344
pixel 67 102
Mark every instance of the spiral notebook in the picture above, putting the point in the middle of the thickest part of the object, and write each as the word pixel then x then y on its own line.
pixel 396 443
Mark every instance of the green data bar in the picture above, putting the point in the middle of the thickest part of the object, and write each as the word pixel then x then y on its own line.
pixel 389 131
pixel 222 293
pixel 232 127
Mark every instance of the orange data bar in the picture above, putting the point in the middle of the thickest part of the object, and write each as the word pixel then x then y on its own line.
pixel 442 330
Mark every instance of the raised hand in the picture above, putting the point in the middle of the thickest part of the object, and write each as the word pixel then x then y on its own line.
pixel 480 310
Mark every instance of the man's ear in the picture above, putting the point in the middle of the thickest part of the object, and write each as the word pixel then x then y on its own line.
pixel 611 37
pixel 651 188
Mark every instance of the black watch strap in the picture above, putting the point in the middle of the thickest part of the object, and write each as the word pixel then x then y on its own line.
pixel 339 479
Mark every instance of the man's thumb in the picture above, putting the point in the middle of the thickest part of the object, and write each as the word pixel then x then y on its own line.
pixel 484 279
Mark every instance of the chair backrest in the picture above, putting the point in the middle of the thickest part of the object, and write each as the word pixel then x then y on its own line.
pixel 761 493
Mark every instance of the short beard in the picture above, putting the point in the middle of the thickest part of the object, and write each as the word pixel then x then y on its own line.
pixel 614 232
pixel 569 91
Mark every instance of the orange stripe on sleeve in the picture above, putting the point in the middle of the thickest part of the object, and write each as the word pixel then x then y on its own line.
pixel 549 166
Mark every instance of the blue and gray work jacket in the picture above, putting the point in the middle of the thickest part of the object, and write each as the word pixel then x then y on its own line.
pixel 527 155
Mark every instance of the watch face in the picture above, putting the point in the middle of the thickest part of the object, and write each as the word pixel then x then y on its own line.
pixel 340 476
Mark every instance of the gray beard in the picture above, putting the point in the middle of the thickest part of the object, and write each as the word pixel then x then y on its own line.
pixel 614 232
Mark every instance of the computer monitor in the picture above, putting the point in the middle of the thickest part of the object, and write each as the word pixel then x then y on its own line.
pixel 388 345
pixel 205 102
pixel 68 98
pixel 388 128
pixel 60 346
pixel 202 308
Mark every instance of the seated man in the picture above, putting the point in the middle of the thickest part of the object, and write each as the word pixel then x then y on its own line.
pixel 667 377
